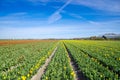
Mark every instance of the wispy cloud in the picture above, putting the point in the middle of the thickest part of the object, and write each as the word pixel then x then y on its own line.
pixel 32 32
pixel 57 16
pixel 81 18
pixel 93 22
pixel 106 5
pixel 72 14
pixel 39 2
pixel 14 16
pixel 75 15
pixel 20 19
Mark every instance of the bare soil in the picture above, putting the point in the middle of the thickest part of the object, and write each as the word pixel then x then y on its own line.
pixel 8 42
pixel 41 71
pixel 78 72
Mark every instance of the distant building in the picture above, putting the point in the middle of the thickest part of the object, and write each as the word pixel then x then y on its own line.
pixel 106 37
pixel 111 36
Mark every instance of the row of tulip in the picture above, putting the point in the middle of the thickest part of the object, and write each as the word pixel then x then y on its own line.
pixel 89 64
pixel 105 55
pixel 21 61
pixel 59 67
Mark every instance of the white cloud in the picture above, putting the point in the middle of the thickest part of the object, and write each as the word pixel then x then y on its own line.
pixel 13 16
pixel 57 16
pixel 35 1
pixel 21 19
pixel 32 32
pixel 106 5
pixel 76 16
pixel 39 2
pixel 80 17
pixel 93 22
pixel 18 14
pixel 54 17
pixel 72 14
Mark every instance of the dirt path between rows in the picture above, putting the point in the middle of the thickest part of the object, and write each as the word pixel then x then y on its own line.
pixel 78 73
pixel 41 71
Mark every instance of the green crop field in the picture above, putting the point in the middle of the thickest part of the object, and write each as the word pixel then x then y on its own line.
pixel 72 60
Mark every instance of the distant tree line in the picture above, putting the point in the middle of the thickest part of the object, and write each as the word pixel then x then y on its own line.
pixel 108 36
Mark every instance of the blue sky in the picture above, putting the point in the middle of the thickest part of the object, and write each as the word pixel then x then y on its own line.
pixel 23 19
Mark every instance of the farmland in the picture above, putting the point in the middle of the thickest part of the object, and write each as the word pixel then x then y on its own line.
pixel 72 59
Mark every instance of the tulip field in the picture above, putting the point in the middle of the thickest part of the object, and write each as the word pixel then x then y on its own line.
pixel 98 60
pixel 21 61
pixel 72 60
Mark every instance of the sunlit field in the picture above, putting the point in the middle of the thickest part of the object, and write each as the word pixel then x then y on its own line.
pixel 59 39
pixel 70 60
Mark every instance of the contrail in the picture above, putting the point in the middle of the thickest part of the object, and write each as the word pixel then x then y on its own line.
pixel 68 2
pixel 56 16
